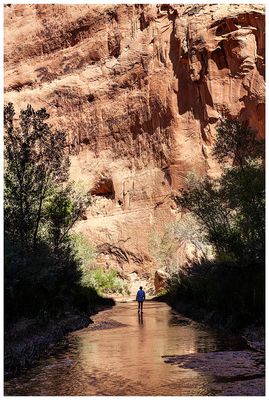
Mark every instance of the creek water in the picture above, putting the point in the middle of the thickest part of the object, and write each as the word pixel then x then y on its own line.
pixel 123 354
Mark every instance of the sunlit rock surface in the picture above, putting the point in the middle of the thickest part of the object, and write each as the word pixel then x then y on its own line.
pixel 139 90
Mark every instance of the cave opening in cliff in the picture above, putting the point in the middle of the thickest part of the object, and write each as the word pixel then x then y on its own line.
pixel 104 188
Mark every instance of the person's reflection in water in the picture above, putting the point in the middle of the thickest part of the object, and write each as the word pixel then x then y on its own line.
pixel 140 319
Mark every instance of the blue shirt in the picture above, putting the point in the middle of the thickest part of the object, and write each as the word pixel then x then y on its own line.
pixel 140 295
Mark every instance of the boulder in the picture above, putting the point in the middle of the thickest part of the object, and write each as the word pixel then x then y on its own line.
pixel 160 280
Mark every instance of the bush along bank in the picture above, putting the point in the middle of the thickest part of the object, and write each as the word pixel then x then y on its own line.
pixel 223 295
pixel 27 340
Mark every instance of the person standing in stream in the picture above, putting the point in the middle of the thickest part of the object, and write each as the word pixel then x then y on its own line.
pixel 140 297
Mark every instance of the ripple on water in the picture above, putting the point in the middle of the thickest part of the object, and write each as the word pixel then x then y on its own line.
pixel 126 357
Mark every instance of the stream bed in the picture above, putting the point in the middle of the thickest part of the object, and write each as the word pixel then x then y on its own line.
pixel 159 352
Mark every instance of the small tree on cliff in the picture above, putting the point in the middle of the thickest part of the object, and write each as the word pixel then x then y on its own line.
pixel 237 142
pixel 232 208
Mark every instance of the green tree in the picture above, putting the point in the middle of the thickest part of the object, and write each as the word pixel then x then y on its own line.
pixel 244 193
pixel 42 270
pixel 202 198
pixel 63 208
pixel 237 142
pixel 36 160
pixel 232 208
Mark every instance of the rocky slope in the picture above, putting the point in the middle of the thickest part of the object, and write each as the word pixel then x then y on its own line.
pixel 139 90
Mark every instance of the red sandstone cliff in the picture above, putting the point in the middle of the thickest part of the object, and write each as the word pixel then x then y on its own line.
pixel 139 90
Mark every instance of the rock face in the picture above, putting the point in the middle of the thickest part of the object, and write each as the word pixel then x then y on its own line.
pixel 160 280
pixel 232 372
pixel 139 90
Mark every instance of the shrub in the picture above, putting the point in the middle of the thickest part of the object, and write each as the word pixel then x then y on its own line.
pixel 235 293
pixel 106 281
pixel 85 250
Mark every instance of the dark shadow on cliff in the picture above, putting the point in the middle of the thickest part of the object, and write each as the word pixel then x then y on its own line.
pixel 192 96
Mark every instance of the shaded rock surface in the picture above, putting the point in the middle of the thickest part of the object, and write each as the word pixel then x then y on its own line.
pixel 139 90
pixel 242 370
pixel 251 387
pixel 255 338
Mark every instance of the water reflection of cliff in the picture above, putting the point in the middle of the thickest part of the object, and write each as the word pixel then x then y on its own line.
pixel 126 360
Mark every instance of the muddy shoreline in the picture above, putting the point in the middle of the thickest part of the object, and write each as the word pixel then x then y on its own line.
pixel 253 334
pixel 29 339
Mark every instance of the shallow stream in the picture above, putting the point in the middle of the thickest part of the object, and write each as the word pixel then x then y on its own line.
pixel 124 353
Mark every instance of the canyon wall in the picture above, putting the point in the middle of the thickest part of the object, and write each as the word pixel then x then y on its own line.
pixel 139 90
